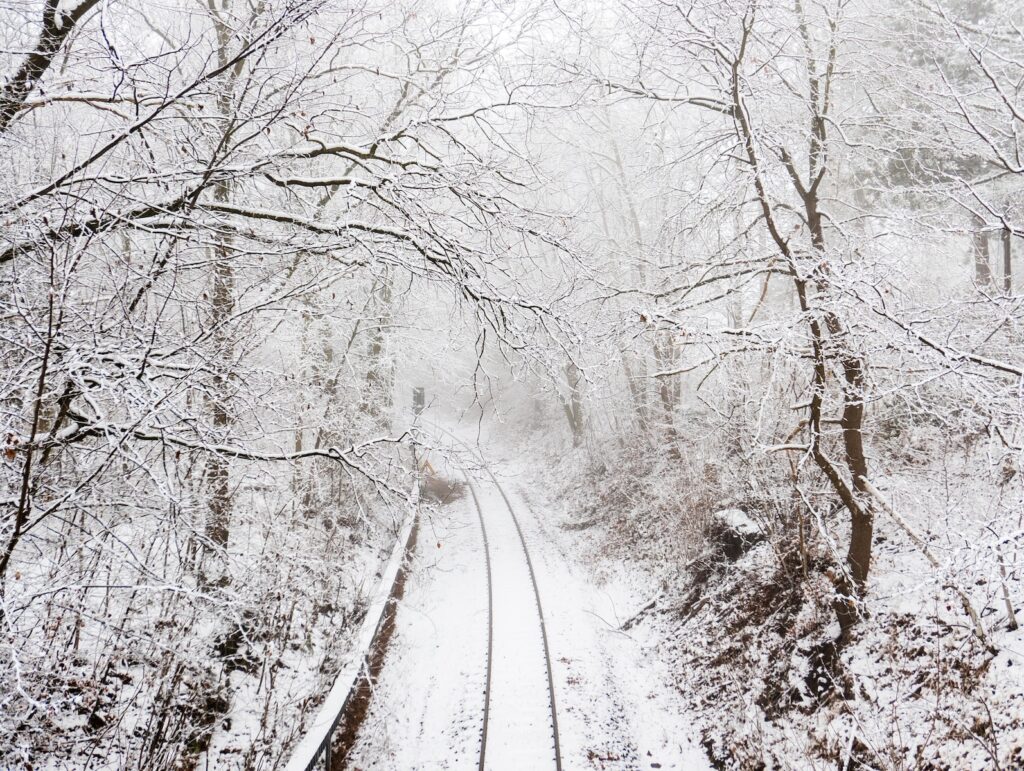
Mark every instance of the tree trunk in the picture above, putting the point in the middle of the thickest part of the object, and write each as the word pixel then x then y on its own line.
pixel 982 258
pixel 666 357
pixel 636 383
pixel 858 558
pixel 377 402
pixel 218 523
pixel 1007 265
pixel 574 406
pixel 222 306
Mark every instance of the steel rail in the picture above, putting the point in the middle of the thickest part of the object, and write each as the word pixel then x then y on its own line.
pixel 540 615
pixel 490 621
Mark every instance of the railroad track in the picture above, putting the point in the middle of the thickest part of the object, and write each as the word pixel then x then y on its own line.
pixel 518 687
pixel 508 698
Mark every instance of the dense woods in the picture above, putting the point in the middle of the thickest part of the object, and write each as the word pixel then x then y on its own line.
pixel 721 255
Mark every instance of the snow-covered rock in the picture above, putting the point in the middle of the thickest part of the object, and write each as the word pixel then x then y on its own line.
pixel 737 519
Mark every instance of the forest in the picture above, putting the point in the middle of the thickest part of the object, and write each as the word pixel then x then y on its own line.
pixel 723 297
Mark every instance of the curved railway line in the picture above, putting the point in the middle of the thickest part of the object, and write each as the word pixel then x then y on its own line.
pixel 488 710
pixel 519 707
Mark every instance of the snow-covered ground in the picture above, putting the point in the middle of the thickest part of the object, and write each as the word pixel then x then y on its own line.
pixel 614 709
pixel 747 632
pixel 618 710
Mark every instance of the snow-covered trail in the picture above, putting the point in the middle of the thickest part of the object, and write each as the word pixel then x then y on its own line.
pixel 614 710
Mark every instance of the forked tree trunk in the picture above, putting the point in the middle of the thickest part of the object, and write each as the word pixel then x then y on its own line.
pixel 853 495
pixel 830 342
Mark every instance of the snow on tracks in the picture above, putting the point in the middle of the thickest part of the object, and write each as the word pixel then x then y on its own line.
pixel 467 682
pixel 520 729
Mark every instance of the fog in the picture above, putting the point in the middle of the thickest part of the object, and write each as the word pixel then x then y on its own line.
pixel 720 300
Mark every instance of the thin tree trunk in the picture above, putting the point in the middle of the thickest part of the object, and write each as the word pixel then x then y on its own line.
pixel 574 406
pixel 663 354
pixel 21 515
pixel 637 391
pixel 222 306
pixel 378 400
pixel 218 523
pixel 1007 263
pixel 982 257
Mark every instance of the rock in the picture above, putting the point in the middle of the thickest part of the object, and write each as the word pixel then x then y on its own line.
pixel 734 533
